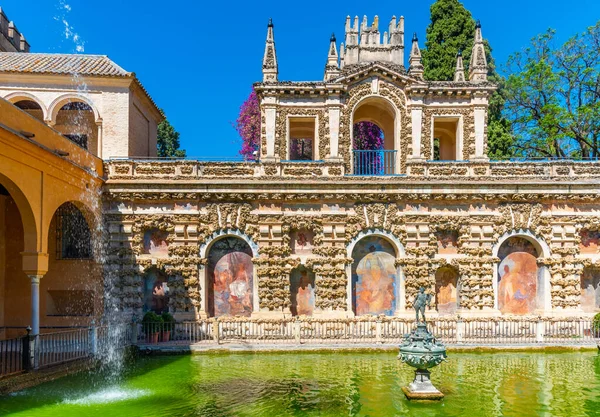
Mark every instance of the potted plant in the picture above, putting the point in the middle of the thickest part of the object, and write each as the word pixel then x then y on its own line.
pixel 168 327
pixel 152 326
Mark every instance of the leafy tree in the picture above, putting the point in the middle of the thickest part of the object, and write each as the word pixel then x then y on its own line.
pixel 168 140
pixel 553 96
pixel 452 29
pixel 248 125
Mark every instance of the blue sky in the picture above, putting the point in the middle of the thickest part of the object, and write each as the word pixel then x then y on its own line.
pixel 198 59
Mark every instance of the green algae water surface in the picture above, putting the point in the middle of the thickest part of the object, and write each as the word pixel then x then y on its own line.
pixel 323 384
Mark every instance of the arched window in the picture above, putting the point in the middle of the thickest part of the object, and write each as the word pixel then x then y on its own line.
pixel 520 286
pixel 446 291
pixel 77 122
pixel 230 278
pixel 590 290
pixel 302 292
pixel 156 291
pixel 73 236
pixel 374 277
pixel 31 107
pixel 373 137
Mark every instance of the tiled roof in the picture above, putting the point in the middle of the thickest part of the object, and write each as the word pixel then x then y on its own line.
pixel 84 65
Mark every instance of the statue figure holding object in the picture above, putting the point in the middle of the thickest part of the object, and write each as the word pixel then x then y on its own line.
pixel 422 300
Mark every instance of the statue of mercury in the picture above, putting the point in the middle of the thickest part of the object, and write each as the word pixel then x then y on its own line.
pixel 422 300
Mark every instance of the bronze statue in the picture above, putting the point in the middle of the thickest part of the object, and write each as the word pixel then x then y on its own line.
pixel 422 300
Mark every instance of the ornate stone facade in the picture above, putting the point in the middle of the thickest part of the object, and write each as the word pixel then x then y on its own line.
pixel 462 216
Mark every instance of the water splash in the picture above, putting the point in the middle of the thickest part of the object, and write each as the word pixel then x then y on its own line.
pixel 110 340
pixel 109 395
pixel 69 32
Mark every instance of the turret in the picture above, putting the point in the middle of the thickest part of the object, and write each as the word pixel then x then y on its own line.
pixel 459 72
pixel 415 65
pixel 363 43
pixel 269 67
pixel 478 67
pixel 332 69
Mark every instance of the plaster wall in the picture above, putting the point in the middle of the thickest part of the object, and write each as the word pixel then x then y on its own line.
pixel 142 130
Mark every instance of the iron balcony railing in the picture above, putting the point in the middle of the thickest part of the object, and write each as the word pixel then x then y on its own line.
pixel 374 163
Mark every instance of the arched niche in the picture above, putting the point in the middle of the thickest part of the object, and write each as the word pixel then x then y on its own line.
pixel 156 291
pixel 230 277
pixel 590 290
pixel 521 286
pixel 302 292
pixel 77 119
pixel 29 226
pixel 31 106
pixel 375 280
pixel 381 112
pixel 446 290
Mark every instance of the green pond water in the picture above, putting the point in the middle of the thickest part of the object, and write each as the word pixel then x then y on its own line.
pixel 322 384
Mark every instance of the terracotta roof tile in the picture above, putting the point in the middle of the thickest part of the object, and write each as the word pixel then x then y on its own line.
pixel 84 65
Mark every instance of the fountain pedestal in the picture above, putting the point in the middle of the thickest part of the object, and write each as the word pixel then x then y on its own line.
pixel 422 351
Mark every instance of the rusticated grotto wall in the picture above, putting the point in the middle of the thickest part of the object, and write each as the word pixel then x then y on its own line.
pixel 270 221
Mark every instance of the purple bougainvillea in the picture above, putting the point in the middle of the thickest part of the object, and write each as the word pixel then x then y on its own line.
pixel 367 136
pixel 248 126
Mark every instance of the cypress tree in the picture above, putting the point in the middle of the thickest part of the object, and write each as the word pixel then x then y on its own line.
pixel 452 29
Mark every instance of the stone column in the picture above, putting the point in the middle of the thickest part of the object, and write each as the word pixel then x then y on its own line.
pixel 334 127
pixel 270 112
pixel 480 106
pixel 479 114
pixel 35 304
pixel 417 121
pixel 99 140
pixel 203 290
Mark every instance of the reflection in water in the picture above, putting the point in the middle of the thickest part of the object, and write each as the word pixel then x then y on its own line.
pixel 310 384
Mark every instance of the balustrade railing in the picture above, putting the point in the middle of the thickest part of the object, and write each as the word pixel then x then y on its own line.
pixel 371 330
pixel 49 349
pixel 61 347
pixel 374 163
pixel 14 355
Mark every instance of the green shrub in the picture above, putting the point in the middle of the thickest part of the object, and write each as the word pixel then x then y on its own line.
pixel 168 320
pixel 152 322
pixel 596 324
pixel 152 317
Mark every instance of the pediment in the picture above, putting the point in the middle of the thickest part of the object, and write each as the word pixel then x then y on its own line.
pixel 357 73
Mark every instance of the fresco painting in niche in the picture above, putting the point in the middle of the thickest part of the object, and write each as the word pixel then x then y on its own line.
pixel 590 241
pixel 155 242
pixel 302 292
pixel 590 290
pixel 302 242
pixel 518 277
pixel 445 292
pixel 374 277
pixel 156 292
pixel 230 271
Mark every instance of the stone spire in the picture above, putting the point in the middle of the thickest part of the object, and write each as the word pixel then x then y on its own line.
pixel 332 69
pixel 459 72
pixel 478 68
pixel 415 66
pixel 269 67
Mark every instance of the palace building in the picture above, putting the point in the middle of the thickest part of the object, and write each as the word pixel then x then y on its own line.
pixel 311 227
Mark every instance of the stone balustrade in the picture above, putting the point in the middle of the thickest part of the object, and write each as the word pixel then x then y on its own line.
pixel 132 169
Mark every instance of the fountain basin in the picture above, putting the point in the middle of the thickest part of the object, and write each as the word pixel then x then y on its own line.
pixel 422 351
